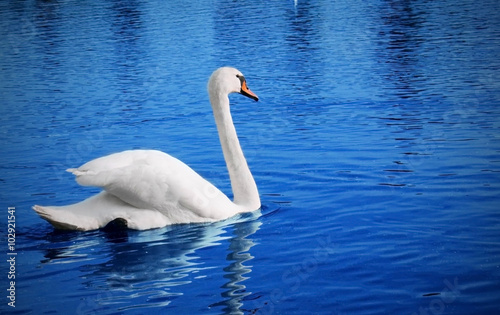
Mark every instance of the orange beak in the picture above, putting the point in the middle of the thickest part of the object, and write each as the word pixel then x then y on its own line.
pixel 246 91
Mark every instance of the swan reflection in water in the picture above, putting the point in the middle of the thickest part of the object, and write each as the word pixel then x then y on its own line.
pixel 151 269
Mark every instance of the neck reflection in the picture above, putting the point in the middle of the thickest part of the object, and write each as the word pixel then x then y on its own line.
pixel 239 247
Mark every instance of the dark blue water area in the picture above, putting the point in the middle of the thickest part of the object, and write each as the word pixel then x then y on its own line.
pixel 375 146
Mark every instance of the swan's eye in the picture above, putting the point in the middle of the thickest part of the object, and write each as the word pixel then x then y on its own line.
pixel 242 78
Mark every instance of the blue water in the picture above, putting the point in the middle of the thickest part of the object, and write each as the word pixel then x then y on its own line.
pixel 375 146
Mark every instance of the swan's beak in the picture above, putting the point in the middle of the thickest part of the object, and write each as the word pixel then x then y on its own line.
pixel 246 91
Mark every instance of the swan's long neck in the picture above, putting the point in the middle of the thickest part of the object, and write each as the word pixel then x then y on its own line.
pixel 242 182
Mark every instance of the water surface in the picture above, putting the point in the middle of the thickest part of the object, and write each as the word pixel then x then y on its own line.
pixel 375 147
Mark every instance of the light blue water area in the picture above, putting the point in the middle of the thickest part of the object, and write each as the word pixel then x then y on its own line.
pixel 375 146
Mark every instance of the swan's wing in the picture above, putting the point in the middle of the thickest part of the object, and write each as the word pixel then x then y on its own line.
pixel 150 179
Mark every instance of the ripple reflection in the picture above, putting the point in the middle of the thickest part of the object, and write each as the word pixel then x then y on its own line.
pixel 150 269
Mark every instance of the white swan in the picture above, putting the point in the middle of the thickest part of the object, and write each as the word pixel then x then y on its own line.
pixel 151 189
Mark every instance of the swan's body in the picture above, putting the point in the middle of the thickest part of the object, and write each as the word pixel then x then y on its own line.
pixel 151 189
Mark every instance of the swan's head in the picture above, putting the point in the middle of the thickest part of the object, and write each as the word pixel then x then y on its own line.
pixel 228 80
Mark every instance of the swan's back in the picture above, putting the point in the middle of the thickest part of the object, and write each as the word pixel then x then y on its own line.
pixel 150 179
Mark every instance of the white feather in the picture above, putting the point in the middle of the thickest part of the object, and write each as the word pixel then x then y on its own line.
pixel 151 189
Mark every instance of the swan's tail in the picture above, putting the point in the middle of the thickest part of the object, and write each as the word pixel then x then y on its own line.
pixel 97 211
pixel 90 214
pixel 54 217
